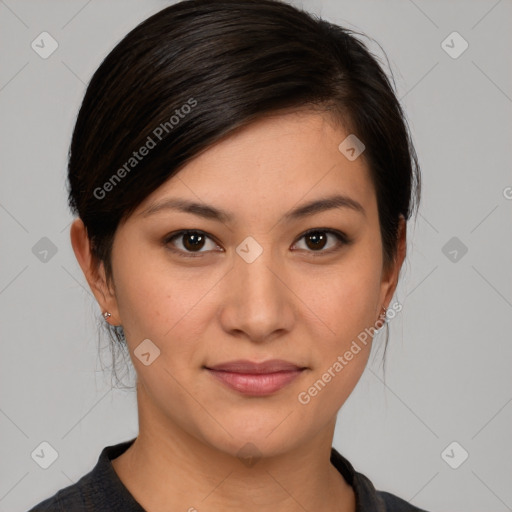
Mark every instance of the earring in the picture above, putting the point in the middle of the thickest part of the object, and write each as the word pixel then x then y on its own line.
pixel 106 315
pixel 385 313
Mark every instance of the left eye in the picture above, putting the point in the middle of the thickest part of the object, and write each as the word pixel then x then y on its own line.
pixel 316 239
pixel 193 241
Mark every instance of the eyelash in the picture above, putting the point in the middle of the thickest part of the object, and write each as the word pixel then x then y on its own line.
pixel 340 236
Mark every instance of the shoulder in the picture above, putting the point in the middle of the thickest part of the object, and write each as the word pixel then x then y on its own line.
pixel 99 489
pixel 71 498
pixel 393 503
pixel 369 499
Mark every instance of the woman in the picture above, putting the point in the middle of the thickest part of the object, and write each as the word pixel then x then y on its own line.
pixel 242 174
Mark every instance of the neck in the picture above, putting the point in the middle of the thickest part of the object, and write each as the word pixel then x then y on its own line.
pixel 167 468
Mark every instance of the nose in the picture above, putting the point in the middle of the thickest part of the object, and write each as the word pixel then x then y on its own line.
pixel 259 304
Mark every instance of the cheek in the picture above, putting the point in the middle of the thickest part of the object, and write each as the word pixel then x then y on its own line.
pixel 165 303
pixel 140 297
pixel 149 306
pixel 344 303
pixel 345 299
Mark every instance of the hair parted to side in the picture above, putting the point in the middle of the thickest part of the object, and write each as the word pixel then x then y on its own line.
pixel 199 69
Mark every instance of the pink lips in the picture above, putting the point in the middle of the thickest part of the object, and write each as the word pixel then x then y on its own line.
pixel 256 379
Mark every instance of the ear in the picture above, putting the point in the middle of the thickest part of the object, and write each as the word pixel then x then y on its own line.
pixel 390 278
pixel 94 271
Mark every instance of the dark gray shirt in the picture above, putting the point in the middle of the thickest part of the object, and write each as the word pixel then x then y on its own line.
pixel 101 490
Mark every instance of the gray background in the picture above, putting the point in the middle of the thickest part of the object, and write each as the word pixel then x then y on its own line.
pixel 448 374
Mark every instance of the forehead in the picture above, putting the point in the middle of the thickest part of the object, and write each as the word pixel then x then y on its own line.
pixel 272 165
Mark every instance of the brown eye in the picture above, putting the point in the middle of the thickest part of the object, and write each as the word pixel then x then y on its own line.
pixel 316 240
pixel 190 242
pixel 193 241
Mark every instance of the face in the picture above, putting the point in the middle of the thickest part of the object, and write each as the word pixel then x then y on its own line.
pixel 253 285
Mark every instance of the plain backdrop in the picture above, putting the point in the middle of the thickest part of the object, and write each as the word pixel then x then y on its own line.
pixel 448 377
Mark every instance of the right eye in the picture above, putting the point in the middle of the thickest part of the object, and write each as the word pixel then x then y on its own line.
pixel 191 242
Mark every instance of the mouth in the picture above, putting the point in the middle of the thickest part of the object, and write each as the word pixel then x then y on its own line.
pixel 256 379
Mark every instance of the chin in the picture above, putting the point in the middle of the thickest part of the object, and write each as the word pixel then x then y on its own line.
pixel 256 436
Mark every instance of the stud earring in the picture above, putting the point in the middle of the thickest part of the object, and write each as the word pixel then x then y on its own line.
pixel 383 317
pixel 107 315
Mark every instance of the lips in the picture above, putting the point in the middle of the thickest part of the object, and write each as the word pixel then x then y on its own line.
pixel 245 366
pixel 256 379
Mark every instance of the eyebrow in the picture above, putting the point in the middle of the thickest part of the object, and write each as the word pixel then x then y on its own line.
pixel 210 212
